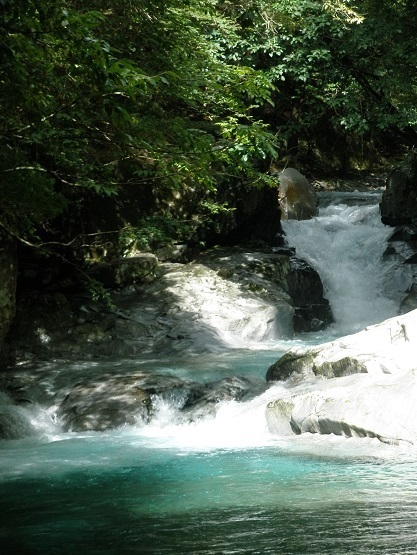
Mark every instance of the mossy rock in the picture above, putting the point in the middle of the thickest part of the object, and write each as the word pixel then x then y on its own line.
pixel 289 364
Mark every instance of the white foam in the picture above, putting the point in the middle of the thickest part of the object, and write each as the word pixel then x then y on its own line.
pixel 345 244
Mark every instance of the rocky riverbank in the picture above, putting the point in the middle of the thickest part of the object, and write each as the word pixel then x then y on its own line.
pixel 362 385
pixel 227 297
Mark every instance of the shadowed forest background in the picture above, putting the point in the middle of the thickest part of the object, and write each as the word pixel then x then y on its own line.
pixel 130 126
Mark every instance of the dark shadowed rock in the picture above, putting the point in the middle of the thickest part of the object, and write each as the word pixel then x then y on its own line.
pixel 289 364
pixel 113 401
pixel 402 249
pixel 312 309
pixel 202 400
pixel 410 300
pixel 8 279
pixel 125 271
pixel 399 200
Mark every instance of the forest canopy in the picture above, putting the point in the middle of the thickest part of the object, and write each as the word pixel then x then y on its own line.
pixel 179 98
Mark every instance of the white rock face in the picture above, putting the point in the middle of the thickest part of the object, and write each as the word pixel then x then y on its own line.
pixel 387 348
pixel 380 403
pixel 210 311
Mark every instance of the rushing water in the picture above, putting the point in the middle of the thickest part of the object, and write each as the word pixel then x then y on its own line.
pixel 346 245
pixel 222 484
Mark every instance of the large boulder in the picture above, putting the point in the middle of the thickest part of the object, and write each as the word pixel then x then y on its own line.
pixel 399 200
pixel 402 252
pixel 272 274
pixel 297 197
pixel 225 300
pixel 112 401
pixel 312 309
pixel 361 385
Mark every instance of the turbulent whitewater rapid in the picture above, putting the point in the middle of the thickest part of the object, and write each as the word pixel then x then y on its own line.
pixel 346 244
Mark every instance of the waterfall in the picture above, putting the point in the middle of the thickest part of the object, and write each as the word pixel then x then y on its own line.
pixel 345 244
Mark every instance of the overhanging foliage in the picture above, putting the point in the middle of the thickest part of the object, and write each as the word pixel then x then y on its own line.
pixel 182 96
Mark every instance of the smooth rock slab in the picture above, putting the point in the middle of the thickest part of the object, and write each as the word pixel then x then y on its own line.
pixel 382 407
pixel 388 348
pixel 374 396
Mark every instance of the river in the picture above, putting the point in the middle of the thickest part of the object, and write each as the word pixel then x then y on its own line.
pixel 221 484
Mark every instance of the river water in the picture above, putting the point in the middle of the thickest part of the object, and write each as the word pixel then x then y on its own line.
pixel 222 484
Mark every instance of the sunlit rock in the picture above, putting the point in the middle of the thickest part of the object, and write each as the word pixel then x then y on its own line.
pixel 227 297
pixel 269 275
pixel 297 197
pixel 388 347
pixel 380 407
pixel 361 385
pixel 208 307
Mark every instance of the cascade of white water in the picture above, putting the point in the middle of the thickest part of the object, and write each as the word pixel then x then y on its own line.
pixel 345 244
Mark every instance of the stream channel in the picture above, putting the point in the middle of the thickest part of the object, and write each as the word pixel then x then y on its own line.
pixel 223 484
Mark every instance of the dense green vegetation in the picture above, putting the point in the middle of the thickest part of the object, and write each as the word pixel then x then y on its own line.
pixel 176 99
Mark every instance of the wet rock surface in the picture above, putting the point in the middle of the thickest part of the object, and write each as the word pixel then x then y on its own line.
pixel 399 210
pixel 109 399
pixel 353 406
pixel 382 348
pixel 134 400
pixel 402 249
pixel 227 297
